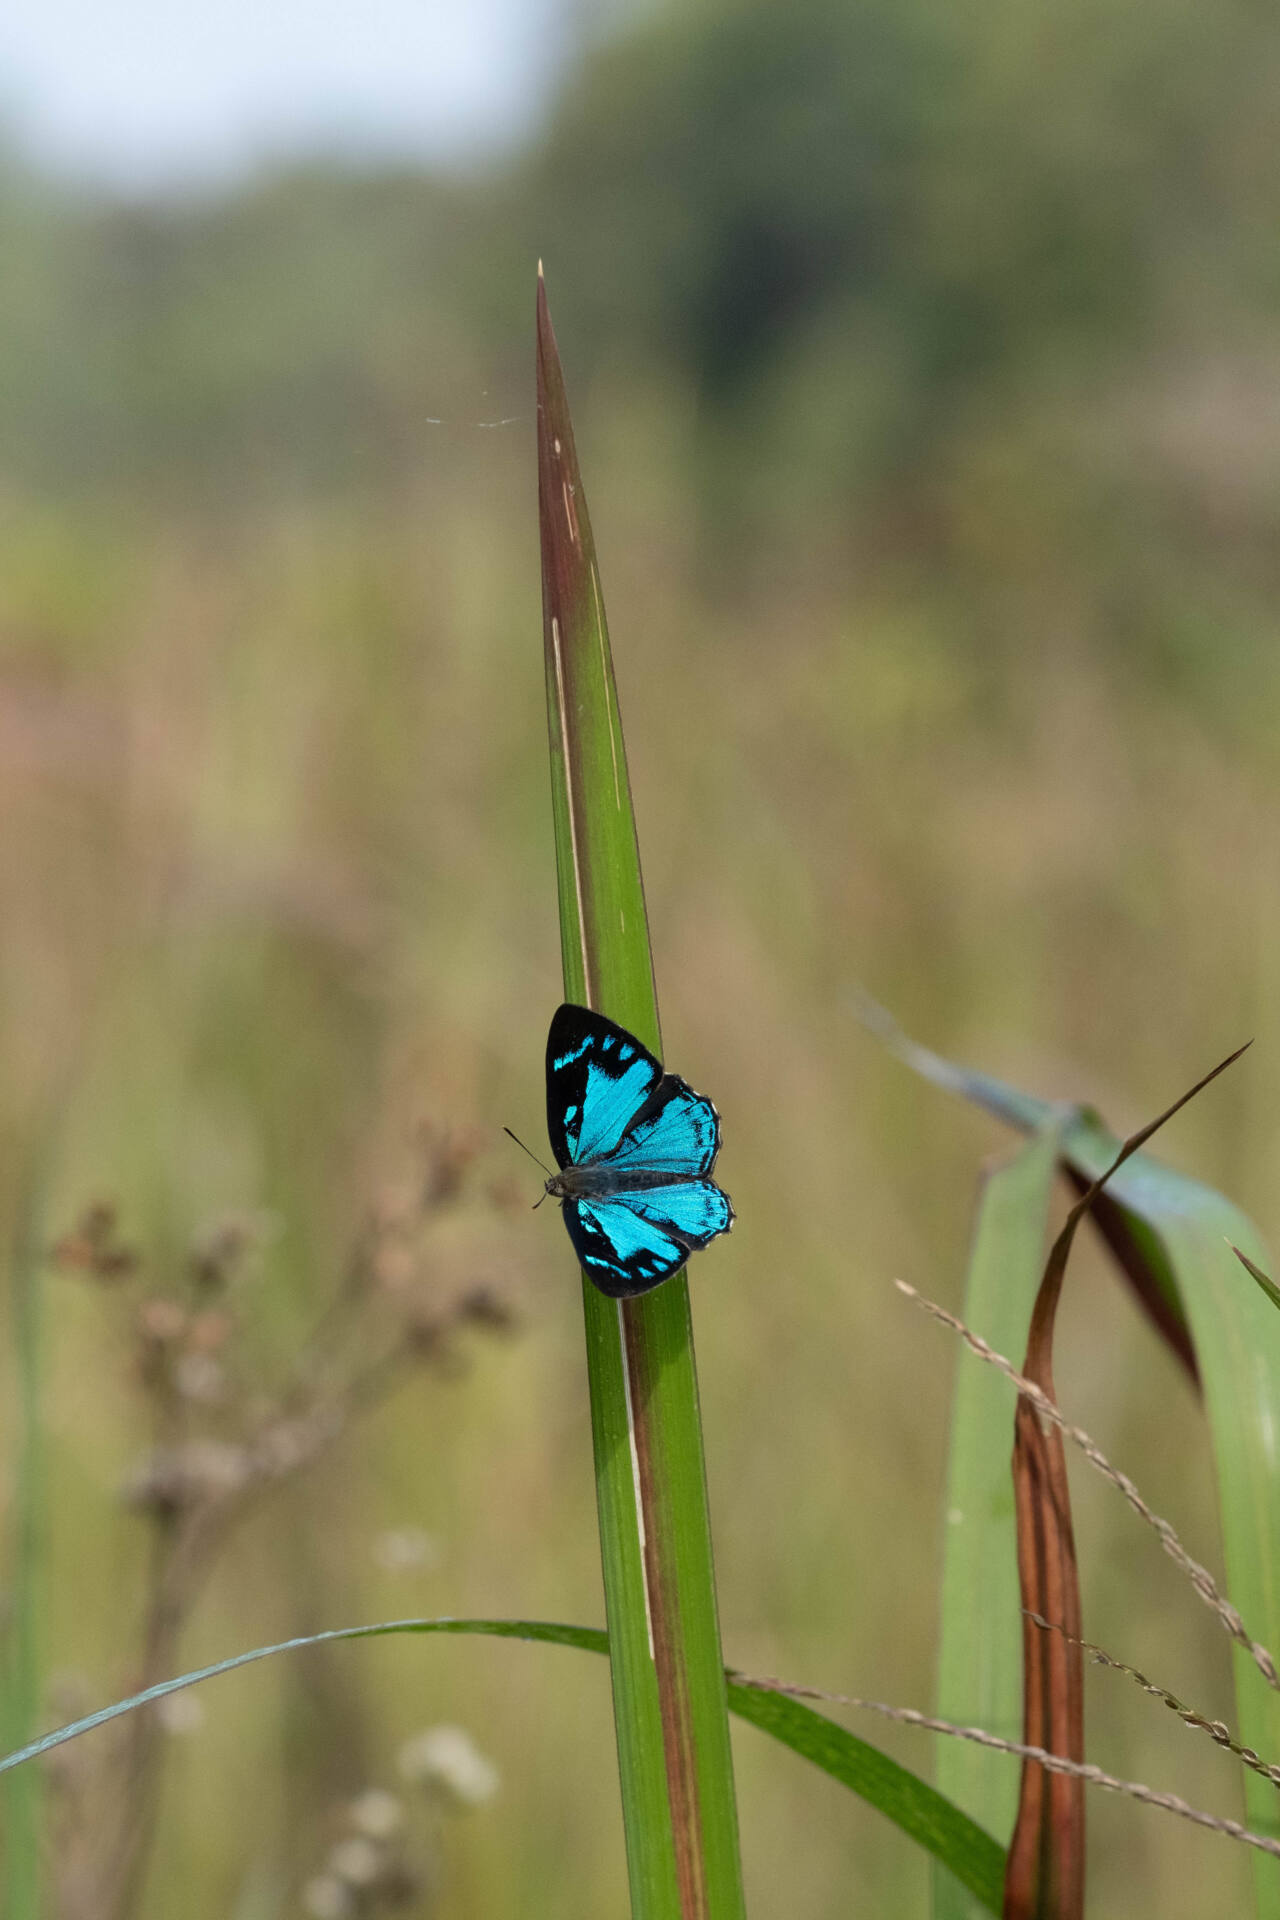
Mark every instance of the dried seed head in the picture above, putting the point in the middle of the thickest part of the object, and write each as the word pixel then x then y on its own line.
pixel 210 1330
pixel 220 1248
pixel 172 1480
pixel 160 1321
pixel 485 1306
pixel 92 1247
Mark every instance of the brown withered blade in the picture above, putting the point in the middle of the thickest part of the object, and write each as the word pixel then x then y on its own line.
pixel 1045 1874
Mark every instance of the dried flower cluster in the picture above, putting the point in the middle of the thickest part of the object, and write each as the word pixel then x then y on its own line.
pixel 221 1436
pixel 373 1865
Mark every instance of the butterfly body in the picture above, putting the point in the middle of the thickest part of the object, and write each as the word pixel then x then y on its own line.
pixel 599 1182
pixel 635 1147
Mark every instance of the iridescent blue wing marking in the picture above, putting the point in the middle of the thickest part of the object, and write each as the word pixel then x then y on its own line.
pixel 677 1131
pixel 599 1078
pixel 693 1211
pixel 632 1241
pixel 623 1254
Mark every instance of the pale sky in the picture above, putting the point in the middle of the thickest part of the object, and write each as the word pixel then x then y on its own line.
pixel 156 94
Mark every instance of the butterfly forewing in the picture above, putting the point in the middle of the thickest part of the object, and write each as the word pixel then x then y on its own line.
pixel 599 1078
pixel 677 1131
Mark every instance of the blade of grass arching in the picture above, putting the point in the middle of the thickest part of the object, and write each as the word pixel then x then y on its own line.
pixel 918 1809
pixel 980 1664
pixel 670 1709
pixel 1175 1235
pixel 971 1858
pixel 24 1650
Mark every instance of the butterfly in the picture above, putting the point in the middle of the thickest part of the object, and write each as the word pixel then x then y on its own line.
pixel 635 1147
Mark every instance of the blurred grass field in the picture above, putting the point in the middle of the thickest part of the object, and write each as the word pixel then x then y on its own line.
pixel 948 670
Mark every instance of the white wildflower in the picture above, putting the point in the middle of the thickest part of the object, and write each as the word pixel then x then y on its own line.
pixel 403 1549
pixel 180 1712
pixel 327 1898
pixel 377 1813
pixel 447 1760
pixel 358 1861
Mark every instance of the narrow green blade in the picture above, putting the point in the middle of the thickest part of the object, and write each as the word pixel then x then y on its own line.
pixel 1255 1272
pixel 980 1656
pixel 962 1847
pixel 670 1710
pixel 911 1804
pixel 21 1668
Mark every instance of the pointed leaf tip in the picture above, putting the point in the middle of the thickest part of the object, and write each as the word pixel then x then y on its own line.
pixel 1255 1272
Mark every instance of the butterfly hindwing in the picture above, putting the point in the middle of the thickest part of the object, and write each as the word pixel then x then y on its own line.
pixel 690 1211
pixel 599 1078
pixel 633 1240
pixel 622 1253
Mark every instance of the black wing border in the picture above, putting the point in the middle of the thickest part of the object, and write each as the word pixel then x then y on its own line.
pixel 602 1269
pixel 571 1024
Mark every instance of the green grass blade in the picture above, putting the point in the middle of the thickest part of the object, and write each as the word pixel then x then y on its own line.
pixel 933 1821
pixel 1178 1241
pixel 670 1709
pixel 549 1632
pixel 20 1697
pixel 914 1806
pixel 980 1654
pixel 1264 1280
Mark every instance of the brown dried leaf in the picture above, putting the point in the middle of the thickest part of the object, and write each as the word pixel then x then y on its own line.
pixel 1045 1874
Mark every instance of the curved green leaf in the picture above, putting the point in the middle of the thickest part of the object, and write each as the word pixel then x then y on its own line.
pixel 932 1820
pixel 921 1812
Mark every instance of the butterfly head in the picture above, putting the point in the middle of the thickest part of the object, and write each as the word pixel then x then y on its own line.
pixel 557 1187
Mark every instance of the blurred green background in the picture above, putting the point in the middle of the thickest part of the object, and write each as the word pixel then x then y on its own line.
pixel 926 375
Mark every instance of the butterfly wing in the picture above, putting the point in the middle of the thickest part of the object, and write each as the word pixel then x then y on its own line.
pixel 677 1131
pixel 631 1241
pixel 599 1078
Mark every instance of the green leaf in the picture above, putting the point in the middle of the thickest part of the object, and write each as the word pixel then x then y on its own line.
pixel 911 1804
pixel 932 1820
pixel 980 1656
pixel 1174 1238
pixel 1255 1272
pixel 670 1710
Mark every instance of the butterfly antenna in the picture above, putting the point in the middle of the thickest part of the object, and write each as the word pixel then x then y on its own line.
pixel 533 1156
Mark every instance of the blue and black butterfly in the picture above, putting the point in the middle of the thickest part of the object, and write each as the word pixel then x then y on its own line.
pixel 635 1147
